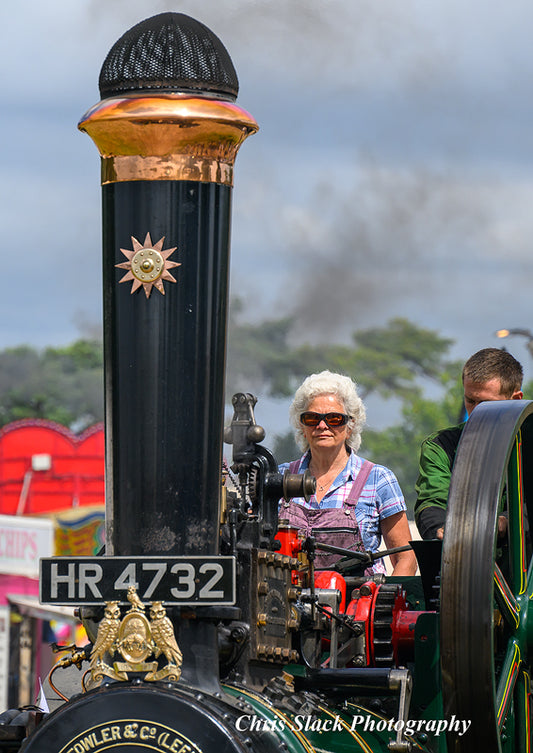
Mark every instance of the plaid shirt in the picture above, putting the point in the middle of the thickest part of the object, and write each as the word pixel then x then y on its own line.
pixel 380 498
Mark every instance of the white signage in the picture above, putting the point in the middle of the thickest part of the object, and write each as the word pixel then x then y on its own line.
pixel 23 541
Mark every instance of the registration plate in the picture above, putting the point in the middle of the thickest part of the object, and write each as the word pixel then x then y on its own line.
pixel 173 580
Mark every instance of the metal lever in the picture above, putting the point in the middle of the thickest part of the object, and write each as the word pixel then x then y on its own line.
pixel 402 678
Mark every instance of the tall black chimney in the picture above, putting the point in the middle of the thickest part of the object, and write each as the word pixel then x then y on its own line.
pixel 168 132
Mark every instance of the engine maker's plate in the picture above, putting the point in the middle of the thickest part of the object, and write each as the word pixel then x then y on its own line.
pixel 172 580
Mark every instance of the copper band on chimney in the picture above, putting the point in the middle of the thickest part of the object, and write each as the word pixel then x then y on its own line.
pixel 167 137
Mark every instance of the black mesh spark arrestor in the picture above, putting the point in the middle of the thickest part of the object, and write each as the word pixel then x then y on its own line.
pixel 169 52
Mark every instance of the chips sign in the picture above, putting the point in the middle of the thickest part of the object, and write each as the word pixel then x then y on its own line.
pixel 190 581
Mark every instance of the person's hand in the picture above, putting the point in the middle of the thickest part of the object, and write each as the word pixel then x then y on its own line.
pixel 440 533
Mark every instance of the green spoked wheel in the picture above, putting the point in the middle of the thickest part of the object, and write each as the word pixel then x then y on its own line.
pixel 487 582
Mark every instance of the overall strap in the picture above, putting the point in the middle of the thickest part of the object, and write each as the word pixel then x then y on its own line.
pixel 359 483
pixel 293 467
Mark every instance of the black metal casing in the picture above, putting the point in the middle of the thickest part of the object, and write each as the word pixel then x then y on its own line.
pixel 164 368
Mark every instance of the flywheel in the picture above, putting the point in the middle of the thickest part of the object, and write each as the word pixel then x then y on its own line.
pixel 487 582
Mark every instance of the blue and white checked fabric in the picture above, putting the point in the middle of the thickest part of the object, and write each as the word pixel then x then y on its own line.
pixel 380 498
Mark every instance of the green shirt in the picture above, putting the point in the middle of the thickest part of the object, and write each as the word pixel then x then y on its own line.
pixel 437 455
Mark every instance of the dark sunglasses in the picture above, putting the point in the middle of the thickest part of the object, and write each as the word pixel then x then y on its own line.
pixel 333 420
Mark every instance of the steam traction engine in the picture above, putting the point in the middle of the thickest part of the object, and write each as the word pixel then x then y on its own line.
pixel 210 629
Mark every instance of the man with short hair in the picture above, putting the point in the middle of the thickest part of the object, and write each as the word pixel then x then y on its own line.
pixel 490 374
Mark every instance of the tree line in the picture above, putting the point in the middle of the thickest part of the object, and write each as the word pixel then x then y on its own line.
pixel 399 360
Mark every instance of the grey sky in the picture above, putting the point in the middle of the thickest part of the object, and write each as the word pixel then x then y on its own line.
pixel 392 174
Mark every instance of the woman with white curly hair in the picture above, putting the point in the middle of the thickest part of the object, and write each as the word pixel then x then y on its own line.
pixel 356 502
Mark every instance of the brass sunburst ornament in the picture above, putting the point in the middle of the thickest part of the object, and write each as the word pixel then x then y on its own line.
pixel 148 265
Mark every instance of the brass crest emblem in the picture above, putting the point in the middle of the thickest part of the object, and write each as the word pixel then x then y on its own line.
pixel 135 638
